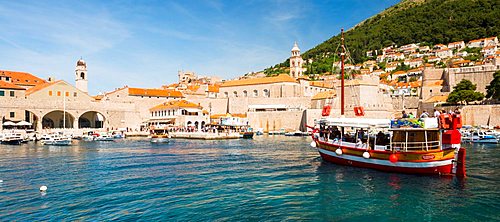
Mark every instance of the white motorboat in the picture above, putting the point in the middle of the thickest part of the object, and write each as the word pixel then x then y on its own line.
pixel 479 136
pixel 55 140
pixel 12 138
pixel 104 137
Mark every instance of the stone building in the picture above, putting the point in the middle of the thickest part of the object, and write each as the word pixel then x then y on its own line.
pixel 296 62
pixel 180 113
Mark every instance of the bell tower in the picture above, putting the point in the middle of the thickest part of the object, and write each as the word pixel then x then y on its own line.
pixel 81 76
pixel 296 62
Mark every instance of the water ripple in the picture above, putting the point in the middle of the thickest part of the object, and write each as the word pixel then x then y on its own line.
pixel 268 178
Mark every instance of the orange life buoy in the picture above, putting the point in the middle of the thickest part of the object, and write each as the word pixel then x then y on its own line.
pixel 359 111
pixel 326 110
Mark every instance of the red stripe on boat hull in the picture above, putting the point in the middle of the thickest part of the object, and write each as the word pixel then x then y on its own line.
pixel 439 170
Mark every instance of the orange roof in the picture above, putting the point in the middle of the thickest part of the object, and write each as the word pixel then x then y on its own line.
pixel 399 73
pixel 489 47
pixel 219 115
pixel 213 88
pixel 324 84
pixel 41 86
pixel 176 104
pixel 154 92
pixel 456 43
pixel 258 81
pixel 435 99
pixel 324 95
pixel 98 97
pixel 23 78
pixel 8 85
pixel 193 87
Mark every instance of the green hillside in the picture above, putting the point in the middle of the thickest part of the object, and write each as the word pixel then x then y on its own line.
pixel 410 21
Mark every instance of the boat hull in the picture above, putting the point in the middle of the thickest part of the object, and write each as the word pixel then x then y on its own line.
pixel 410 163
pixel 12 142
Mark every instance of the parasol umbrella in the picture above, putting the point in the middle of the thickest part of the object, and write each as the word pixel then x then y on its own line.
pixel 9 123
pixel 23 123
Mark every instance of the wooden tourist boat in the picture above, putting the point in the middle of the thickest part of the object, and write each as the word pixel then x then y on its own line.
pixel 416 146
pixel 424 150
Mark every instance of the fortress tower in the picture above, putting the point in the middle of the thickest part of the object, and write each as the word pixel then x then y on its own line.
pixel 81 76
pixel 296 62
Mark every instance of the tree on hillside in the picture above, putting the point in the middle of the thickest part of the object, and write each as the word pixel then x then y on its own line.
pixel 493 90
pixel 465 91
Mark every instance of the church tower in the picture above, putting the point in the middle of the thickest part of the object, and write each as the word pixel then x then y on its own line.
pixel 296 62
pixel 81 76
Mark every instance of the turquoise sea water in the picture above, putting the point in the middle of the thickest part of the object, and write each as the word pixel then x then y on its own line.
pixel 268 179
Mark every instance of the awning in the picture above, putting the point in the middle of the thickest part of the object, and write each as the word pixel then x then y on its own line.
pixel 192 110
pixel 9 123
pixel 23 123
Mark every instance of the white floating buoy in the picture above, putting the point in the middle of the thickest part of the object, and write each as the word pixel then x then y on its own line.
pixel 338 151
pixel 366 155
pixel 1 181
pixel 43 188
pixel 313 144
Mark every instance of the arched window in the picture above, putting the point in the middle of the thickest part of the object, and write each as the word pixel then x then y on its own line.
pixel 226 94
pixel 266 93
pixel 235 94
pixel 82 75
pixel 245 93
pixel 255 93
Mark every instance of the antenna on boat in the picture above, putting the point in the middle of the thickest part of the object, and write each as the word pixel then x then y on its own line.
pixel 342 54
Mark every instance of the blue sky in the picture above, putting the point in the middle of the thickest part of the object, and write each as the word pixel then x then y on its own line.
pixel 144 43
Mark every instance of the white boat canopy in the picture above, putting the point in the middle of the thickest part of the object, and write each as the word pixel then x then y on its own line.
pixel 356 122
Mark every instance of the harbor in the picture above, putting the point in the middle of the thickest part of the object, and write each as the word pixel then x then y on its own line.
pixel 132 179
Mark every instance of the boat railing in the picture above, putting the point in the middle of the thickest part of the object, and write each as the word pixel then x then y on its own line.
pixel 415 146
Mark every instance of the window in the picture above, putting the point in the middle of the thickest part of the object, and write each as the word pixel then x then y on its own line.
pixel 2 93
pixel 266 93
pixel 12 114
pixel 67 94
pixel 50 93
pixel 255 93
pixel 12 94
pixel 235 94
pixel 245 93
pixel 7 78
pixel 74 94
pixel 226 94
pixel 58 93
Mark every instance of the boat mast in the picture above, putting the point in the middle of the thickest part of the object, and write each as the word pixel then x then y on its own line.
pixel 342 54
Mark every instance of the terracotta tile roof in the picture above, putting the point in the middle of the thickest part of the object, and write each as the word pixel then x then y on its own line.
pixel 324 95
pixel 8 85
pixel 436 99
pixel 258 81
pixel 489 47
pixel 213 88
pixel 323 84
pixel 23 78
pixel 98 97
pixel 193 88
pixel 399 73
pixel 220 115
pixel 176 104
pixel 154 92
pixel 40 86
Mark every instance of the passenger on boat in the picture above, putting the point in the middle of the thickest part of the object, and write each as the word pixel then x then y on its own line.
pixel 436 113
pixel 424 114
pixel 404 114
pixel 411 116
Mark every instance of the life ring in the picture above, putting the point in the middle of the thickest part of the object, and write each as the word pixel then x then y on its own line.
pixel 326 110
pixel 359 111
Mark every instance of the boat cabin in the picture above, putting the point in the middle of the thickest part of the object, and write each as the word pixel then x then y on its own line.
pixel 381 134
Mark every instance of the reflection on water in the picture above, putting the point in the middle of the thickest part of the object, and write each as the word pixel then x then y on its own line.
pixel 267 178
